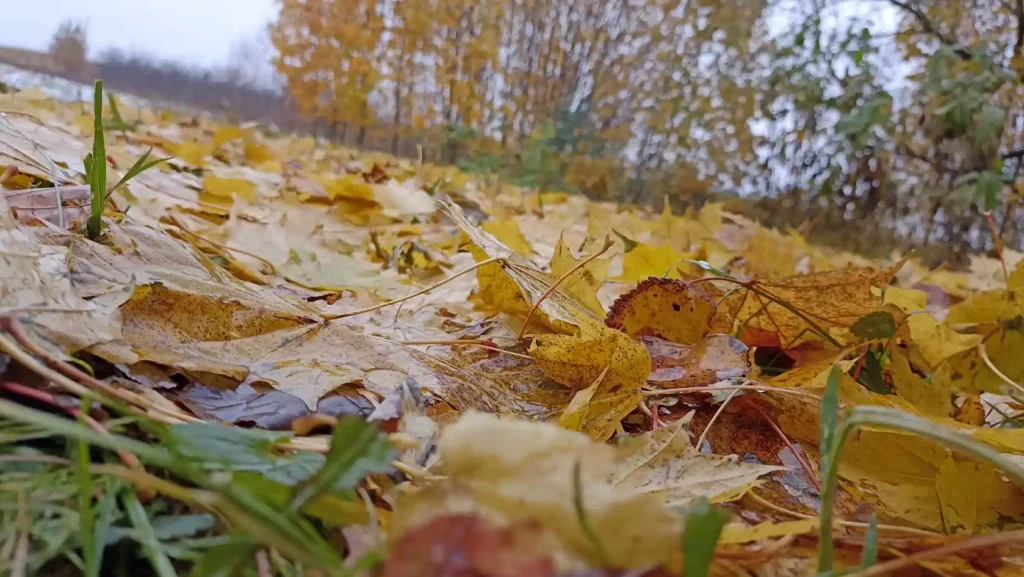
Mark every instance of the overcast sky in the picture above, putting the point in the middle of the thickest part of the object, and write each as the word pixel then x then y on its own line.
pixel 195 31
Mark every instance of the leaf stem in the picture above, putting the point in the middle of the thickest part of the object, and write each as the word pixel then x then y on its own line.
pixel 492 260
pixel 604 248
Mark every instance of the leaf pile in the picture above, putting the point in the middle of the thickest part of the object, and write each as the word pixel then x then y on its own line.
pixel 283 354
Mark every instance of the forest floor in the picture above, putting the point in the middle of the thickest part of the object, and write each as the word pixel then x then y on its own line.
pixel 283 357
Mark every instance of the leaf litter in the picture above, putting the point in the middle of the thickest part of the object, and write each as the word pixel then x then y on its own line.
pixel 523 390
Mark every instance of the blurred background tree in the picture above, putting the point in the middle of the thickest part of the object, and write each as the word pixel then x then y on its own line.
pixel 902 115
pixel 69 48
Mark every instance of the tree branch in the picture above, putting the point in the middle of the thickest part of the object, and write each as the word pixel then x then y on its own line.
pixel 932 29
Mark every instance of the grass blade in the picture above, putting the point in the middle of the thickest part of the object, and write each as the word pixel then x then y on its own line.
pixel 97 168
pixel 704 525
pixel 829 414
pixel 148 539
pixel 139 167
pixel 829 426
pixel 86 514
pixel 869 556
pixel 357 448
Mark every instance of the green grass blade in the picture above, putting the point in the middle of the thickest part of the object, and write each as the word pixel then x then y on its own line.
pixel 97 167
pixel 148 540
pixel 357 448
pixel 106 512
pixel 829 426
pixel 704 525
pixel 829 414
pixel 869 556
pixel 86 514
pixel 139 167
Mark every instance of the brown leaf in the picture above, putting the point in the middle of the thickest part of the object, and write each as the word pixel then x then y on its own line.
pixel 468 546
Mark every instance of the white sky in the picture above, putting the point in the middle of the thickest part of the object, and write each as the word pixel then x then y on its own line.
pixel 193 31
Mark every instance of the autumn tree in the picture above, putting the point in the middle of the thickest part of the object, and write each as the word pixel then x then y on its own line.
pixel 69 46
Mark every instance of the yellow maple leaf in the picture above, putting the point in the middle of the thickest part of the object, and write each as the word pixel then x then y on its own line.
pixel 578 360
pixel 937 341
pixel 222 191
pixel 645 261
pixel 585 282
pixel 507 231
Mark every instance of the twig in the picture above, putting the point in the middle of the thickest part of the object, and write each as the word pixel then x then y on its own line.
pixel 756 554
pixel 13 327
pixel 974 542
pixel 800 457
pixel 127 457
pixel 842 523
pixel 718 413
pixel 415 294
pixel 992 367
pixel 270 266
pixel 469 344
pixel 782 390
pixel 604 248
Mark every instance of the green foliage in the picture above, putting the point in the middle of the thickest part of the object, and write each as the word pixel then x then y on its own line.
pixel 259 510
pixel 96 166
pixel 703 527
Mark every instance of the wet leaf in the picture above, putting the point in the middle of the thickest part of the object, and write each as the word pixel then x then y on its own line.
pixel 873 326
pixel 713 359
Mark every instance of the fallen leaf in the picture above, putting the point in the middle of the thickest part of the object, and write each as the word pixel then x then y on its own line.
pixel 512 471
pixel 664 308
pixel 664 463
pixel 715 358
pixel 645 261
pixel 830 299
pixel 585 282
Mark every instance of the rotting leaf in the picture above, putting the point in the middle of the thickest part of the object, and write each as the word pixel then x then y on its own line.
pixel 713 359
pixel 665 308
pixel 876 325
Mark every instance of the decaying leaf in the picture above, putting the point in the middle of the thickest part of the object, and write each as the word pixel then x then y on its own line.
pixel 664 462
pixel 664 308
pixel 715 358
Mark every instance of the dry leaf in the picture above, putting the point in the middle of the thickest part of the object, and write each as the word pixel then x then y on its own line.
pixel 664 308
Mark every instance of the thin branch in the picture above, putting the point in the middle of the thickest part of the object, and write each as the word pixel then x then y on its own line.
pixel 976 542
pixel 468 344
pixel 718 413
pixel 607 245
pixel 931 28
pixel 992 367
pixel 415 294
pixel 782 390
